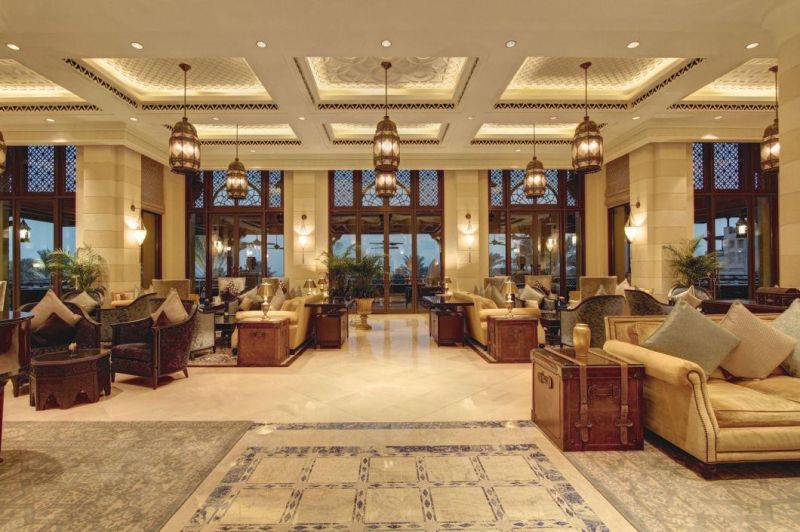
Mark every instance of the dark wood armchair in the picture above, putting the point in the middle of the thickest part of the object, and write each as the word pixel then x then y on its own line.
pixel 591 311
pixel 141 348
pixel 640 303
pixel 86 334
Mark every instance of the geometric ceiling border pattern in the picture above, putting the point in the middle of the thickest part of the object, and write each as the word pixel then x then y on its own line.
pixel 722 107
pixel 100 81
pixel 554 106
pixel 50 108
pixel 520 142
pixel 675 75
pixel 367 142
pixel 251 142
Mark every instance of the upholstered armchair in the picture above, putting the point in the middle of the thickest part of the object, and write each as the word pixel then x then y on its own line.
pixel 588 286
pixel 203 327
pixel 161 287
pixel 137 309
pixel 85 334
pixel 141 348
pixel 640 303
pixel 591 311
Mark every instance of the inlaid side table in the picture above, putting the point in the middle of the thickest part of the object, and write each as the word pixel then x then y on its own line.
pixel 511 339
pixel 14 351
pixel 65 375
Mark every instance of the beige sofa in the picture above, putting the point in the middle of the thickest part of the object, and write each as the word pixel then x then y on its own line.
pixel 713 419
pixel 299 319
pixel 482 308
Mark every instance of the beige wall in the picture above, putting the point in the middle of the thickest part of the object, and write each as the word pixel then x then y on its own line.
pixel 789 178
pixel 173 227
pixel 596 224
pixel 661 180
pixel 461 197
pixel 305 192
pixel 109 181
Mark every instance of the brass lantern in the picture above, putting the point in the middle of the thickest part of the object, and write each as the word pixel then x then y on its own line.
pixel 385 183
pixel 184 144
pixel 770 142
pixel 2 154
pixel 535 183
pixel 236 177
pixel 386 147
pixel 587 143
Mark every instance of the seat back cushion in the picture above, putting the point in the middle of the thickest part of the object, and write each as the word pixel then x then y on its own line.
pixel 54 331
pixel 761 347
pixel 789 323
pixel 50 304
pixel 689 335
pixel 277 300
pixel 172 309
pixel 85 301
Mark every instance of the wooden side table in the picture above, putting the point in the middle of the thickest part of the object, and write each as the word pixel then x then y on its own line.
pixel 447 327
pixel 551 322
pixel 263 342
pixel 64 376
pixel 511 339
pixel 330 328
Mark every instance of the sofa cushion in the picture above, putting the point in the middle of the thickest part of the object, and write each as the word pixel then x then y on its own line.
pixel 687 334
pixel 172 307
pixel 782 386
pixel 277 300
pixel 761 347
pixel 54 331
pixel 142 352
pixel 689 297
pixel 741 406
pixel 247 303
pixel 789 323
pixel 85 301
pixel 530 294
pixel 621 287
pixel 494 294
pixel 50 304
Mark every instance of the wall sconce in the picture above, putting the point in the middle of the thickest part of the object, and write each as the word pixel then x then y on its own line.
pixel 631 229
pixel 24 231
pixel 302 239
pixel 741 226
pixel 140 231
pixel 551 243
pixel 469 236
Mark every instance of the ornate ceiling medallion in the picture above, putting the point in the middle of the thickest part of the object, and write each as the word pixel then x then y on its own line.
pixel 587 143
pixel 184 144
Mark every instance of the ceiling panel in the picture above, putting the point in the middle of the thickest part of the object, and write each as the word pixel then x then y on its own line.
pixel 151 79
pixel 19 84
pixel 246 131
pixel 525 131
pixel 749 81
pixel 360 131
pixel 561 78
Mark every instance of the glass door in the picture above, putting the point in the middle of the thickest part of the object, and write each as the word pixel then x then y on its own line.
pixel 373 243
pixel 403 264
pixel 731 246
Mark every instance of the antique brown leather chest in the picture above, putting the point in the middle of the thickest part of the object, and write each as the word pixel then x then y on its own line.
pixel 588 404
pixel 776 296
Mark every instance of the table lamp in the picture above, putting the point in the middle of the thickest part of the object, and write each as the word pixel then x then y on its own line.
pixel 267 291
pixel 322 283
pixel 509 290
pixel 309 285
pixel 446 282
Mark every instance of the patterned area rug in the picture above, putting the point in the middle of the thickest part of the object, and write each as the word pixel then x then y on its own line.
pixel 103 476
pixel 391 476
pixel 661 489
pixel 224 357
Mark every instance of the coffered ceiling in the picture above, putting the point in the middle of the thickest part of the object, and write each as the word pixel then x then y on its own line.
pixel 303 78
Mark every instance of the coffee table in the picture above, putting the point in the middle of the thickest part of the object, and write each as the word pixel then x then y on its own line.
pixel 225 325
pixel 65 375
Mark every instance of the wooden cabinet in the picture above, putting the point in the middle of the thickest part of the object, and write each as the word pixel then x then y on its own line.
pixel 330 328
pixel 512 339
pixel 447 327
pixel 588 403
pixel 776 296
pixel 263 342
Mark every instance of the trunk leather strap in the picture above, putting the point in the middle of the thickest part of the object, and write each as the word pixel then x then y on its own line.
pixel 624 422
pixel 583 417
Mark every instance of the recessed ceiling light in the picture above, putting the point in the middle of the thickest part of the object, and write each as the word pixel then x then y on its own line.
pixel 252 151
pixel 511 44
pixel 635 118
pixel 261 44
pixel 215 118
pixel 553 118
pixel 301 118
pixel 633 44
pixel 752 45
pixel 518 150
pixel 12 46
pixel 134 119
pixel 50 119
pixel 386 43
pixel 137 45
pixel 470 118
pixel 718 117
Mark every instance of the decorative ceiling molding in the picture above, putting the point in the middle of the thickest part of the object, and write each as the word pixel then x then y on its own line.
pixel 253 142
pixel 210 107
pixel 675 75
pixel 85 72
pixel 558 106
pixel 49 108
pixel 392 106
pixel 520 142
pixel 722 107
pixel 367 142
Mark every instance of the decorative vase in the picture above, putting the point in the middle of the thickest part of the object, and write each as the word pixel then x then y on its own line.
pixel 363 308
pixel 581 339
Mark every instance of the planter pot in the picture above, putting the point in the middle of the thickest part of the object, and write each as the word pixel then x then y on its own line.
pixel 363 308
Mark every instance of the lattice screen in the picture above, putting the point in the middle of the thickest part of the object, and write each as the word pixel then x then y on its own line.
pixel 71 173
pixel 275 190
pixel 368 196
pixel 496 188
pixel 402 197
pixel 219 194
pixel 253 198
pixel 343 182
pixel 428 188
pixel 41 174
pixel 726 166
pixel 697 165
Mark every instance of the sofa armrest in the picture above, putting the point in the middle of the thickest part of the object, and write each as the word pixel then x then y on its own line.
pixel 667 368
pixel 293 316
pixel 525 311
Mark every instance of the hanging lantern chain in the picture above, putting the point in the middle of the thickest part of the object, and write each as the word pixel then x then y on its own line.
pixel 774 69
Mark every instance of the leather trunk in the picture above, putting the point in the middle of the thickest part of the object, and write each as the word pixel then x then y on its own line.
pixel 589 404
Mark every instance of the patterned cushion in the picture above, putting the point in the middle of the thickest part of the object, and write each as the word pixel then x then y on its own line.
pixel 789 323
pixel 138 351
pixel 761 349
pixel 541 288
pixel 48 305
pixel 689 335
pixel 172 307
pixel 54 331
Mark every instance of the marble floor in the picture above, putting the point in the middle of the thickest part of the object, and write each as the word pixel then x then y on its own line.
pixel 395 372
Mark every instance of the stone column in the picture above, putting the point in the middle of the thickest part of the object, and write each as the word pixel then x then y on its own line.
pixel 305 192
pixel 661 180
pixel 462 197
pixel 173 230
pixel 109 180
pixel 596 224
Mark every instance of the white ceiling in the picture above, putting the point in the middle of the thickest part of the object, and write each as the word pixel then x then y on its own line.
pixel 310 98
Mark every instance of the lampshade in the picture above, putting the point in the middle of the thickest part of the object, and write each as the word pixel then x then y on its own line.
pixel 509 288
pixel 587 143
pixel 3 149
pixel 770 141
pixel 140 233
pixel 385 183
pixel 309 284
pixel 184 144
pixel 24 231
pixel 631 231
pixel 236 177
pixel 266 289
pixel 741 227
pixel 551 243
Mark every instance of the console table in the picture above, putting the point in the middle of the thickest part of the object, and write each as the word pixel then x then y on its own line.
pixel 14 347
pixel 446 319
pixel 330 319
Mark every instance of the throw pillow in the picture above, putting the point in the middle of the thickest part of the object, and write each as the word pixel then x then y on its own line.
pixel 689 335
pixel 497 297
pixel 50 304
pixel 761 349
pixel 172 307
pixel 162 320
pixel 54 331
pixel 246 303
pixel 530 294
pixel 621 287
pixel 541 288
pixel 789 323
pixel 277 300
pixel 601 291
pixel 85 301
pixel 531 303
pixel 689 297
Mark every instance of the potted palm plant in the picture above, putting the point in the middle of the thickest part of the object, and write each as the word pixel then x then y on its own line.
pixel 689 268
pixel 339 266
pixel 364 271
pixel 84 267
